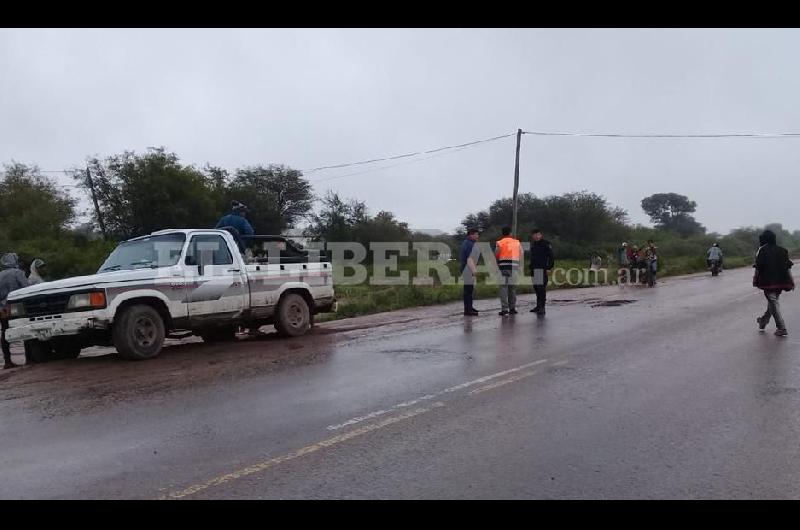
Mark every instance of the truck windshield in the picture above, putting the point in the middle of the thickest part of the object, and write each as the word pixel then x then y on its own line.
pixel 149 252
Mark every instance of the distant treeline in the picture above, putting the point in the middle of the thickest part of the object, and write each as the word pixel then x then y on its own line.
pixel 138 193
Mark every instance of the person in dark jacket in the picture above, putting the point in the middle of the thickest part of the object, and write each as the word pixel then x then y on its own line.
pixel 542 262
pixel 11 279
pixel 237 220
pixel 773 276
pixel 469 267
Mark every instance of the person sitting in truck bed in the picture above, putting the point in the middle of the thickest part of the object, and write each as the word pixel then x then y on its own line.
pixel 237 220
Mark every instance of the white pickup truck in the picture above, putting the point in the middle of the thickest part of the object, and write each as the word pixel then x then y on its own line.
pixel 173 283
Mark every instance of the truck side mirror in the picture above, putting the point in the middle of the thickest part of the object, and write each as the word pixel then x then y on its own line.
pixel 191 261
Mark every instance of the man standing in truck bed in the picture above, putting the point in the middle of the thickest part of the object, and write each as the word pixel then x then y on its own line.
pixel 236 219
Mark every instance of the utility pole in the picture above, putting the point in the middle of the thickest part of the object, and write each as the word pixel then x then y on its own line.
pixel 516 186
pixel 90 182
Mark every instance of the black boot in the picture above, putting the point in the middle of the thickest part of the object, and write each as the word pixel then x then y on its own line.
pixel 8 364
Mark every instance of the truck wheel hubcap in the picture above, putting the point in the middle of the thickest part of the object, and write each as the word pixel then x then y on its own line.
pixel 144 331
pixel 295 315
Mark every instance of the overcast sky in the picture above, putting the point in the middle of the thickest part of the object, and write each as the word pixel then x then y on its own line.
pixel 308 98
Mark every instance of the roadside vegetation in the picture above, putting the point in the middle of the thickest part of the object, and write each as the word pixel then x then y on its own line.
pixel 138 193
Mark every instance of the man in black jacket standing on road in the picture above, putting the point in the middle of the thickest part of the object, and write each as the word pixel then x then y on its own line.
pixel 773 276
pixel 541 262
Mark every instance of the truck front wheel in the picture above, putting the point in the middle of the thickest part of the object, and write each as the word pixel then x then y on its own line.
pixel 138 332
pixel 38 351
pixel 293 317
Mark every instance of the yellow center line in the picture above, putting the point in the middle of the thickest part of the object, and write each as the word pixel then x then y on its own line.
pixel 262 466
pixel 272 462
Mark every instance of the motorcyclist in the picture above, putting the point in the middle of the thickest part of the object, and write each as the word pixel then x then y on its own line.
pixel 714 254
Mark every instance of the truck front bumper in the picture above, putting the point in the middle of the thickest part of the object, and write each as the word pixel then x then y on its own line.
pixel 45 328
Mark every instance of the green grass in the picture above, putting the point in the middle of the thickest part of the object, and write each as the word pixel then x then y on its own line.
pixel 365 299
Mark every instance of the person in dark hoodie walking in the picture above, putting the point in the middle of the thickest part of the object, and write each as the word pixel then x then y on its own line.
pixel 11 279
pixel 541 263
pixel 772 275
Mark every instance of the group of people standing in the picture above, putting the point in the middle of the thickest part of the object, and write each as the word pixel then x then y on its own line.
pixel 632 261
pixel 509 255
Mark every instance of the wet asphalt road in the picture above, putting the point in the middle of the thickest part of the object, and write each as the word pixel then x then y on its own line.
pixel 675 395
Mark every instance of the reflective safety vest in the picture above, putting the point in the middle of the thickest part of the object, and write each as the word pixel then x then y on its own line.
pixel 509 252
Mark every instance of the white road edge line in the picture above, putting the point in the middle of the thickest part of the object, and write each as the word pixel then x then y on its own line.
pixel 427 397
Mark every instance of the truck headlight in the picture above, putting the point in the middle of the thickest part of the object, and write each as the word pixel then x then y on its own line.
pixel 84 300
pixel 16 310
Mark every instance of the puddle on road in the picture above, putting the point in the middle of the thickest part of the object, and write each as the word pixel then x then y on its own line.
pixel 613 303
pixel 419 351
pixel 593 302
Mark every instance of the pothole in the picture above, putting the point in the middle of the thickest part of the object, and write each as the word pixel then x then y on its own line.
pixel 593 302
pixel 612 303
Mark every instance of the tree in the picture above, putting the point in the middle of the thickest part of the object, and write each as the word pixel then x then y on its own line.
pixel 35 222
pixel 336 218
pixel 276 195
pixel 343 220
pixel 672 211
pixel 31 204
pixel 139 194
pixel 382 227
pixel 582 218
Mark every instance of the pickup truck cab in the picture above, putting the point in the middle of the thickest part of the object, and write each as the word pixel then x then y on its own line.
pixel 173 283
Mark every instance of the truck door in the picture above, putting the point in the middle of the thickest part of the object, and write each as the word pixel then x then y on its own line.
pixel 216 282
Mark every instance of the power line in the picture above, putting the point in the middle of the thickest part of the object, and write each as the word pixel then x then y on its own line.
pixel 395 157
pixel 68 172
pixel 620 135
pixel 392 165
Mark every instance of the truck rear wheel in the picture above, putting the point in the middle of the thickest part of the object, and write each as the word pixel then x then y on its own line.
pixel 38 351
pixel 293 317
pixel 138 333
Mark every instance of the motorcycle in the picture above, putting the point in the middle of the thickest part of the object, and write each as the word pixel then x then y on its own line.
pixel 714 267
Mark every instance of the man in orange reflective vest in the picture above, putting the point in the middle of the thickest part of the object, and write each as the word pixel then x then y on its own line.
pixel 508 254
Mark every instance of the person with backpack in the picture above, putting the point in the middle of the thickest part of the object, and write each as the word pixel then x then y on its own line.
pixel 773 276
